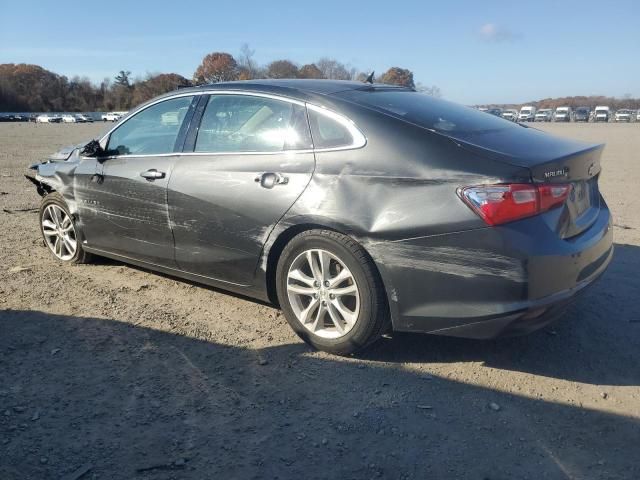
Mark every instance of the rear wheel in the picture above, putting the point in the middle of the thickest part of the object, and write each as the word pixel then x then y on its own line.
pixel 59 230
pixel 331 292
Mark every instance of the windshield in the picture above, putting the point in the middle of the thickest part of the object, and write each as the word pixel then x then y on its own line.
pixel 601 112
pixel 428 112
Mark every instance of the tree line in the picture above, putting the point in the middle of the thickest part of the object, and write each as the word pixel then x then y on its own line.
pixel 32 88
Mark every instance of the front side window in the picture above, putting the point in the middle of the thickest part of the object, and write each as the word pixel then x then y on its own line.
pixel 154 130
pixel 245 123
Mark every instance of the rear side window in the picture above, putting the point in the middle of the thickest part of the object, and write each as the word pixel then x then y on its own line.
pixel 245 123
pixel 432 113
pixel 327 132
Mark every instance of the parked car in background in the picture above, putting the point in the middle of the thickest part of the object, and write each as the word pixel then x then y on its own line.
pixel 110 117
pixel 81 118
pixel 14 117
pixel 48 118
pixel 638 116
pixel 543 115
pixel 510 227
pixel 510 114
pixel 562 114
pixel 581 114
pixel 495 111
pixel 602 113
pixel 527 114
pixel 68 119
pixel 623 115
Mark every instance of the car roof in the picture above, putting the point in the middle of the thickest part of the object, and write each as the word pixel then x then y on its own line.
pixel 296 88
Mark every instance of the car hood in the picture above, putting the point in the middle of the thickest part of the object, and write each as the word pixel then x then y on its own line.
pixel 64 153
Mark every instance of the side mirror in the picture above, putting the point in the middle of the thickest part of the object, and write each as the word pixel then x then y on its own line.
pixel 93 149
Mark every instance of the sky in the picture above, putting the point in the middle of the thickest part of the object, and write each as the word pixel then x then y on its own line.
pixel 477 52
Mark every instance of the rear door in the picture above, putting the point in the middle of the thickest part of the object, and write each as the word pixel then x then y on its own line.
pixel 251 158
pixel 126 210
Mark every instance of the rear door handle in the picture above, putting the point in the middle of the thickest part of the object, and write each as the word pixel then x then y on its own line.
pixel 152 174
pixel 271 179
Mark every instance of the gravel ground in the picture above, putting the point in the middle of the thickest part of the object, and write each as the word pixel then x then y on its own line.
pixel 112 372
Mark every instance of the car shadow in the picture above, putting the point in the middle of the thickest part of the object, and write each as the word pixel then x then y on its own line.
pixel 603 323
pixel 99 395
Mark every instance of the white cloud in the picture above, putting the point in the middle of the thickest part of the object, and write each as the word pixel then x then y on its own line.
pixel 490 32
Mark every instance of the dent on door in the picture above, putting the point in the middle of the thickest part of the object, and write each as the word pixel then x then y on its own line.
pixel 223 207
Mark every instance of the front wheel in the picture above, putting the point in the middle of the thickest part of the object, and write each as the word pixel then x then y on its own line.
pixel 331 293
pixel 59 230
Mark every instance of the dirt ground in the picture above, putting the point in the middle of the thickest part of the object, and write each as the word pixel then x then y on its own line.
pixel 112 372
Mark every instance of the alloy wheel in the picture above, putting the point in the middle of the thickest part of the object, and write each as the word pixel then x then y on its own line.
pixel 323 293
pixel 59 232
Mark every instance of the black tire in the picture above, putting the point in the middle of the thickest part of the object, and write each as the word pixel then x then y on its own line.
pixel 373 318
pixel 80 255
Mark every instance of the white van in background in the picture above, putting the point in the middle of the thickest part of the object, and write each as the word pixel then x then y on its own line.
pixel 527 113
pixel 601 114
pixel 563 114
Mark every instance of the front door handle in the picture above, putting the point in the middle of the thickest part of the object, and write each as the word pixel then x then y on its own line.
pixel 152 174
pixel 271 179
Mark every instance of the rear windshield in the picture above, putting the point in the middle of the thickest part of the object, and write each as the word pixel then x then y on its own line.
pixel 428 112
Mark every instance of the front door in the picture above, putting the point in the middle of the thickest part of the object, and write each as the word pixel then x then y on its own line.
pixel 252 158
pixel 126 211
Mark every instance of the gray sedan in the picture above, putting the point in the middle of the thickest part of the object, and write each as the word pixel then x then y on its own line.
pixel 357 208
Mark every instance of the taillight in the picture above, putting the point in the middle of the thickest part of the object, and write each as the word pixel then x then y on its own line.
pixel 498 204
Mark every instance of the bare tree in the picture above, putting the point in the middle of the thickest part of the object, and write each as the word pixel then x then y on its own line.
pixel 332 69
pixel 248 66
pixel 432 90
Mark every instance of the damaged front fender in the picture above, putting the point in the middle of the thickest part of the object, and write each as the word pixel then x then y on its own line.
pixel 63 172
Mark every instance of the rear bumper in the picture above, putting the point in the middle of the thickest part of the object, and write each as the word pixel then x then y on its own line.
pixel 490 282
pixel 536 315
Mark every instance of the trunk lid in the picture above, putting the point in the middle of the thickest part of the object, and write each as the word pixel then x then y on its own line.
pixel 550 160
